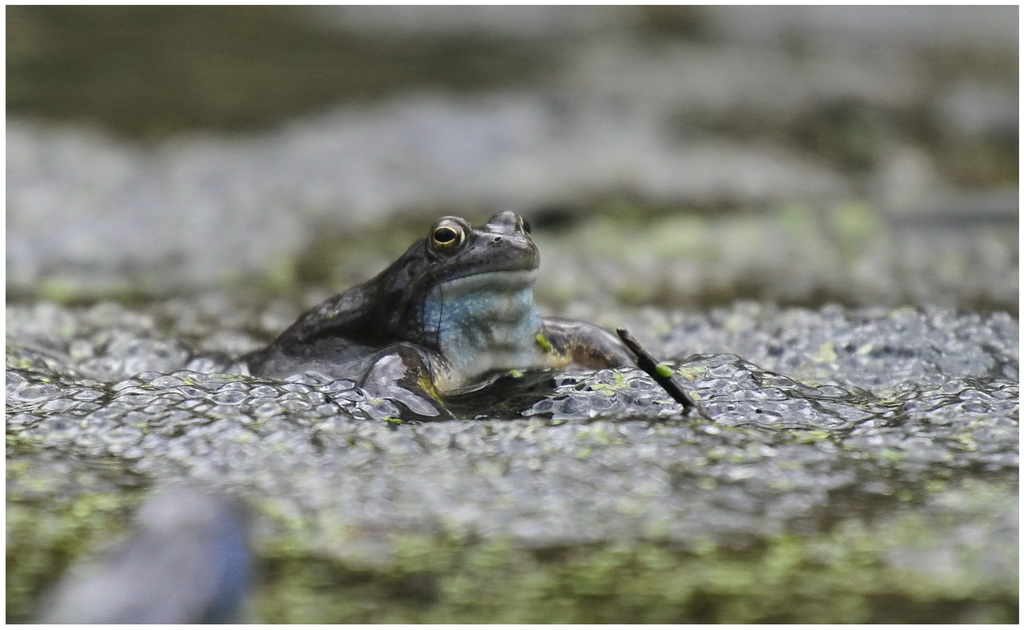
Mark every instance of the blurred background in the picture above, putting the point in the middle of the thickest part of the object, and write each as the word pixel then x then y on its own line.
pixel 799 155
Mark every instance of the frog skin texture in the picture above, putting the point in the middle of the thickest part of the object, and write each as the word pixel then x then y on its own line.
pixel 449 317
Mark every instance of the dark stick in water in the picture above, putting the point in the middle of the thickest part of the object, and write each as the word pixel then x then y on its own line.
pixel 658 371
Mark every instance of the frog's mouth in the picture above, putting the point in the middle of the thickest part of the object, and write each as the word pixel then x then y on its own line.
pixel 501 281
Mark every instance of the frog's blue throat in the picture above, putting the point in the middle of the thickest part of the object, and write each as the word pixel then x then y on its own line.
pixel 483 322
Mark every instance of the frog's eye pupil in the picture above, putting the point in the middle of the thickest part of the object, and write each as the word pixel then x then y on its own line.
pixel 526 226
pixel 446 237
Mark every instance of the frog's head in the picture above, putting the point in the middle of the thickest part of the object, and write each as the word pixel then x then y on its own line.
pixel 463 284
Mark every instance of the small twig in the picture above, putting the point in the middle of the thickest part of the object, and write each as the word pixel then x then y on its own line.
pixel 660 372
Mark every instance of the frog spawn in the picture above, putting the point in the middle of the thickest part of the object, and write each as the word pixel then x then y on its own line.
pixel 881 369
pixel 605 455
pixel 734 392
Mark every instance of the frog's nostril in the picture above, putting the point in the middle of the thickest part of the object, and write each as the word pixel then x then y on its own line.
pixel 496 239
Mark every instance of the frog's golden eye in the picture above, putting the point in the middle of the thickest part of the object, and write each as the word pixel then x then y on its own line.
pixel 447 236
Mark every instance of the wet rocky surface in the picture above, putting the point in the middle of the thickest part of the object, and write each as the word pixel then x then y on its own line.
pixel 814 223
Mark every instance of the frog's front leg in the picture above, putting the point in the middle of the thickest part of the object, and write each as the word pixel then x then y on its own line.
pixel 584 344
pixel 400 374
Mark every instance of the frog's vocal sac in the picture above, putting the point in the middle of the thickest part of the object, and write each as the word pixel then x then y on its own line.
pixel 450 316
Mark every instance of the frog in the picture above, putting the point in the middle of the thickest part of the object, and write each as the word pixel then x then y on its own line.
pixel 452 315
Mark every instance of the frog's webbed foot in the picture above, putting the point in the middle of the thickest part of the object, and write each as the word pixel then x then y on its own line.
pixel 584 344
pixel 400 375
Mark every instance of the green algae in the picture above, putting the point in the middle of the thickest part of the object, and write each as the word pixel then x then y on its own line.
pixel 47 536
pixel 543 343
pixel 843 576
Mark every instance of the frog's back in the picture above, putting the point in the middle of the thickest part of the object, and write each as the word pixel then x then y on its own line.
pixel 341 349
